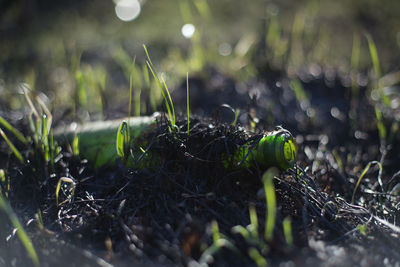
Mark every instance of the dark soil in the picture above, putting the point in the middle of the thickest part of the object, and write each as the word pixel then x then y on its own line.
pixel 162 216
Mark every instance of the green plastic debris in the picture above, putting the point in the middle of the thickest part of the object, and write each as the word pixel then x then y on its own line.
pixel 275 149
pixel 97 140
pixel 98 143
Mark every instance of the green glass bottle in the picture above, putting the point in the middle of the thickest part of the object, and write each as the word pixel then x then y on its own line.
pixel 97 144
pixel 275 149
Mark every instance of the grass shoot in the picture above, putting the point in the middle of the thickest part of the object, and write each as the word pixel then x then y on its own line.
pixel 363 174
pixel 22 235
pixel 163 88
pixel 270 199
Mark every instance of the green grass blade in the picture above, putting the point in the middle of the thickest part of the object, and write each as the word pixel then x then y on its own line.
pixel 12 147
pixel 237 112
pixel 131 88
pixel 253 222
pixel 32 127
pixel 52 149
pixel 75 146
pixel 287 231
pixel 374 55
pixel 22 235
pixel 136 91
pixel 146 75
pixel 363 174
pixel 40 219
pixel 257 257
pixel 162 90
pixel 300 93
pixel 203 8
pixel 147 55
pixel 13 130
pixel 187 102
pixel 270 198
pixel 238 229
pixel 170 101
pixel 215 231
pixel 81 93
pixel 2 176
pixel 58 187
pixel 4 183
pixel 380 124
pixel 123 140
pixel 45 138
pixel 163 86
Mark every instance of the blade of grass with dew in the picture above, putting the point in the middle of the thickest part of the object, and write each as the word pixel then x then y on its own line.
pixel 12 147
pixel 13 130
pixel 270 199
pixel 45 139
pixel 22 235
pixel 363 174
pixel 49 117
pixel 287 231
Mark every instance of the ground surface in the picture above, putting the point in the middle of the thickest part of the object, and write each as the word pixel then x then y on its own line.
pixel 163 215
pixel 186 206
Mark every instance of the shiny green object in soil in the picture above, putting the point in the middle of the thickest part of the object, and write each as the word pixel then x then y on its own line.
pixel 275 149
pixel 97 143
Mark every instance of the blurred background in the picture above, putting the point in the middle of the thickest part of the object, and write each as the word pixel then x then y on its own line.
pixel 79 56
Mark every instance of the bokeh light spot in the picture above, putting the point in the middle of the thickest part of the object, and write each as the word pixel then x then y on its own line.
pixel 127 10
pixel 188 30
pixel 225 49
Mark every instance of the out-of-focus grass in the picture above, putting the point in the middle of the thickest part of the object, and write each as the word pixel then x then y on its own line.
pixel 22 235
pixel 290 35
